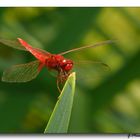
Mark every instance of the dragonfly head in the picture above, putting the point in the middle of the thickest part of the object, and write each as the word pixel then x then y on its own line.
pixel 66 64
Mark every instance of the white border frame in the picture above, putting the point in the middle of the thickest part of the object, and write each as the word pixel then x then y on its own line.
pixel 69 3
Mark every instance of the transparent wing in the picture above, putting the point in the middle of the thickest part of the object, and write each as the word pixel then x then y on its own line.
pixel 12 43
pixel 96 64
pixel 91 73
pixel 22 73
pixel 89 46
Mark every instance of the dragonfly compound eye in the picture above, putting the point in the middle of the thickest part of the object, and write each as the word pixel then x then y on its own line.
pixel 68 67
pixel 66 64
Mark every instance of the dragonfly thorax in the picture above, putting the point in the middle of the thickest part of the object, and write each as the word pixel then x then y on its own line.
pixel 58 63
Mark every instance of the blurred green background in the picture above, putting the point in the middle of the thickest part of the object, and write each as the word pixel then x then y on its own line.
pixel 107 104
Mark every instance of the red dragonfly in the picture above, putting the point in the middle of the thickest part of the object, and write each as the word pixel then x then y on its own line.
pixel 29 71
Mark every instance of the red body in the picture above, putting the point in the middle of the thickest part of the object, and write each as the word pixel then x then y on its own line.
pixel 51 61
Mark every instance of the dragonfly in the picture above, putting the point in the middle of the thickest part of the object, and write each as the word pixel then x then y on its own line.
pixel 29 71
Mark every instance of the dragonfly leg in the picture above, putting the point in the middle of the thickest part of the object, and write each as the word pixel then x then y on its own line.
pixel 58 87
pixel 59 80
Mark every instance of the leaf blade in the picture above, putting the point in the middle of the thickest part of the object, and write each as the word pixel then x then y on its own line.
pixel 59 120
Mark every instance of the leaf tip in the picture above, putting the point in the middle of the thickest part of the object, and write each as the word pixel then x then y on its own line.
pixel 73 75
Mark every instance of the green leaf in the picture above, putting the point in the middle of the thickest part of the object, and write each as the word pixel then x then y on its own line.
pixel 59 120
